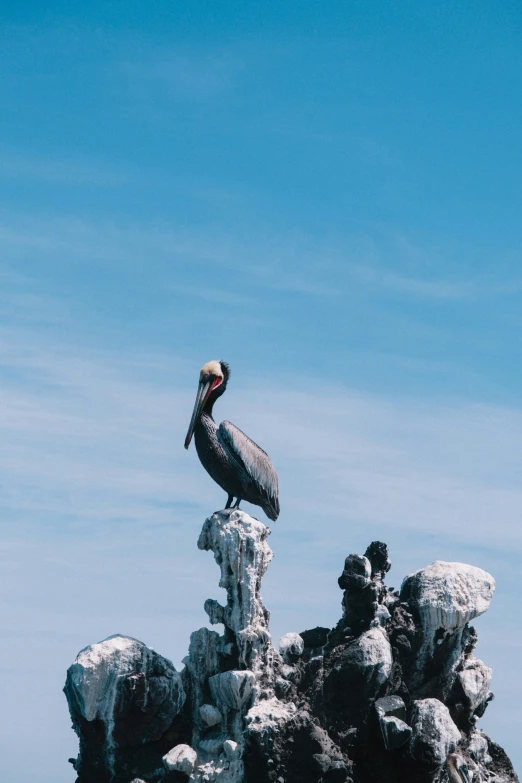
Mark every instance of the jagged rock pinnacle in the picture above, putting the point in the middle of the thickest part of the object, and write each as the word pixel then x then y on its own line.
pixel 393 693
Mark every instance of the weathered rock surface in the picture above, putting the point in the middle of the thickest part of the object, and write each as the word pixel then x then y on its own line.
pixel 443 598
pixel 391 712
pixel 209 715
pixel 291 646
pixel 233 689
pixel 434 735
pixel 182 758
pixel 359 670
pixel 240 549
pixel 475 681
pixel 122 695
pixel 393 693
pixel 448 595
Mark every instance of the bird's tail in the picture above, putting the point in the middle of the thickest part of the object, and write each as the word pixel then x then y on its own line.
pixel 271 509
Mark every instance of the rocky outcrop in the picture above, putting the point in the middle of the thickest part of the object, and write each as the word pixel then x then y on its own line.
pixel 444 597
pixel 227 675
pixel 434 734
pixel 392 693
pixel 123 697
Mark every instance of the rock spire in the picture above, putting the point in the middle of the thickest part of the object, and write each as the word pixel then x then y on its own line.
pixel 393 693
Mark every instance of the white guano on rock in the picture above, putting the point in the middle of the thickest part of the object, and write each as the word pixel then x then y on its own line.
pixel 100 671
pixel 291 646
pixel 434 735
pixel 269 714
pixel 372 655
pixel 182 758
pixel 448 595
pixel 238 542
pixel 444 597
pixel 233 689
pixel 97 670
pixel 475 680
pixel 109 678
pixel 377 654
pixel 240 549
pixel 478 748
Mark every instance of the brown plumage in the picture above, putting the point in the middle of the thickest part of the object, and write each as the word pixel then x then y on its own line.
pixel 233 460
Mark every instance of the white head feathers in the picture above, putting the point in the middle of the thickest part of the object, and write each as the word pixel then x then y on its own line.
pixel 212 368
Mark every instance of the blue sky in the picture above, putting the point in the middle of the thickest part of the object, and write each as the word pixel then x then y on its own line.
pixel 326 196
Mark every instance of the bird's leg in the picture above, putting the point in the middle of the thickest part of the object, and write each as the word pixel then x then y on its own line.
pixel 229 501
pixel 236 504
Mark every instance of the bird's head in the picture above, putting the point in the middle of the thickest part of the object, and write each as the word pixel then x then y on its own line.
pixel 213 379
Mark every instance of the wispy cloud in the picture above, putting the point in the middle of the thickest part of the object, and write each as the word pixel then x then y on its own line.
pixel 474 288
pixel 214 295
pixel 196 77
pixel 282 262
pixel 56 170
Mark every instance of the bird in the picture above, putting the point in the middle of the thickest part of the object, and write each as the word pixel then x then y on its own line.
pixel 231 458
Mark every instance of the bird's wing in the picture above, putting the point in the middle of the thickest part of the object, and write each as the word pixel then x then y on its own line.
pixel 255 461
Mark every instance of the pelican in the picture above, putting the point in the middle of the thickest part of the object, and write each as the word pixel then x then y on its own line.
pixel 234 461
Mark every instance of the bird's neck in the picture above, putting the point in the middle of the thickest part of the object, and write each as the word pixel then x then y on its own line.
pixel 206 416
pixel 207 410
pixel 205 428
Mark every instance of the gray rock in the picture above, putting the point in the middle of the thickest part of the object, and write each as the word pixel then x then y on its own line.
pixel 377 554
pixel 269 716
pixel 391 712
pixel 212 745
pixel 357 573
pixel 291 646
pixel 239 544
pixel 338 773
pixel 305 713
pixel 382 615
pixel 443 598
pixel 130 690
pixel 233 689
pixel 475 680
pixel 391 705
pixel 288 672
pixel 434 734
pixel 209 715
pixel 371 654
pixel 215 611
pixel 323 762
pixel 478 748
pixel 447 595
pixel 97 678
pixel 182 758
pixel 358 674
pixel 395 732
pixel 202 662
pixel 232 749
pixel 282 687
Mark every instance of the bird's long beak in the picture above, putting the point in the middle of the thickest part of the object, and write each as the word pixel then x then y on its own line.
pixel 204 389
